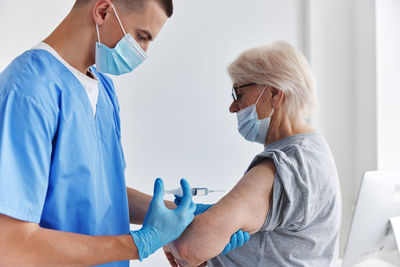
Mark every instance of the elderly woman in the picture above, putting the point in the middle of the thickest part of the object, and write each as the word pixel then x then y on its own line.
pixel 289 198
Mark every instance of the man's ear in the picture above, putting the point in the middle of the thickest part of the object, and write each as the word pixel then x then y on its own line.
pixel 101 10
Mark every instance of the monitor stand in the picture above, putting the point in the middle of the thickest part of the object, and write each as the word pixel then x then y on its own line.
pixel 394 223
pixel 390 248
pixel 388 254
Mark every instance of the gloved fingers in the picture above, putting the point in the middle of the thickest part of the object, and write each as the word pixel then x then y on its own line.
pixel 240 239
pixel 226 249
pixel 192 206
pixel 158 195
pixel 177 200
pixel 187 195
pixel 246 236
pixel 200 208
pixel 191 217
pixel 192 209
pixel 204 207
pixel 233 241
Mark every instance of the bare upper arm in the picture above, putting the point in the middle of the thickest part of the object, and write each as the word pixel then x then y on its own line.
pixel 244 207
pixel 248 202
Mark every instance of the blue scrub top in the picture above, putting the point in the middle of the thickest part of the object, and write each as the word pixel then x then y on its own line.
pixel 60 166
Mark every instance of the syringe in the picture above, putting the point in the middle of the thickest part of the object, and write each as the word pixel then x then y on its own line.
pixel 196 191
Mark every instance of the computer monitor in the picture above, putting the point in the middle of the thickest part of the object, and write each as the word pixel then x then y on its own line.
pixel 371 233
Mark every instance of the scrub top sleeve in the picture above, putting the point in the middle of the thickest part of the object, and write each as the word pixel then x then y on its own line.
pixel 26 133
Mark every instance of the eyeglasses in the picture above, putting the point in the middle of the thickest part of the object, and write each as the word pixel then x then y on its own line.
pixel 234 88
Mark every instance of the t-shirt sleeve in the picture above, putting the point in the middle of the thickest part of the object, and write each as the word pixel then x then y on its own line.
pixel 286 209
pixel 26 133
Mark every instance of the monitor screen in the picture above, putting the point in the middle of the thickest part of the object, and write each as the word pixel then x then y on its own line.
pixel 371 234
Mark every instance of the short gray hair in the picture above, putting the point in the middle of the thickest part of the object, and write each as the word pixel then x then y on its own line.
pixel 281 66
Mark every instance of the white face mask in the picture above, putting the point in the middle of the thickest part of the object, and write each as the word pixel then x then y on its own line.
pixel 250 127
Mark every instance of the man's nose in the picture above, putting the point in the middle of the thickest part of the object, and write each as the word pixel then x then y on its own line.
pixel 145 47
pixel 234 107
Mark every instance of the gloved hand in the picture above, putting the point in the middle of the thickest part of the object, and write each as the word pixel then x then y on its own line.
pixel 162 225
pixel 200 208
pixel 238 239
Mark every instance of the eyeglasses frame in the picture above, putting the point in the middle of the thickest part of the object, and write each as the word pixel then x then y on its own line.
pixel 234 88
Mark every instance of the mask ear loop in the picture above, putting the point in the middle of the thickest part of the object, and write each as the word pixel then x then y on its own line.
pixel 261 94
pixel 259 99
pixel 272 111
pixel 98 35
pixel 116 14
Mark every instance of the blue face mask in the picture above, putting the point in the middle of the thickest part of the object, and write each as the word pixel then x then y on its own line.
pixel 250 127
pixel 124 58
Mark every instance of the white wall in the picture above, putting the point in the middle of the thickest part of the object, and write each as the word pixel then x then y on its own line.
pixel 25 23
pixel 331 48
pixel 355 53
pixel 388 83
pixel 365 106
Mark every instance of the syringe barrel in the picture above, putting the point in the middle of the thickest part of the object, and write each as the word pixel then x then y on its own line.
pixel 196 191
pixel 199 191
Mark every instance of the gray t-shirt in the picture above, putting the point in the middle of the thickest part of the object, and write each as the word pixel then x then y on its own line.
pixel 303 221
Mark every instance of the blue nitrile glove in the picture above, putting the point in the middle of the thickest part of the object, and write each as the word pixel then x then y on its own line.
pixel 162 225
pixel 200 208
pixel 238 239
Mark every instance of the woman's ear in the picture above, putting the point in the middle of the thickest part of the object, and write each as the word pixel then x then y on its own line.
pixel 100 11
pixel 277 97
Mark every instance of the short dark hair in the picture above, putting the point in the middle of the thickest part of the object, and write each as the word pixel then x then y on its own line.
pixel 135 5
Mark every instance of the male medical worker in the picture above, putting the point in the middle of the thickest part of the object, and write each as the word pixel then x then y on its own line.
pixel 63 198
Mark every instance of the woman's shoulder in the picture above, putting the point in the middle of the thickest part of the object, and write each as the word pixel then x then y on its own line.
pixel 295 140
pixel 301 152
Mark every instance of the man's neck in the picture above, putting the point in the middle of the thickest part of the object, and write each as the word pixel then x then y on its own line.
pixel 74 41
